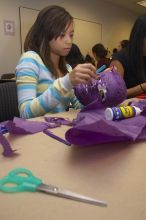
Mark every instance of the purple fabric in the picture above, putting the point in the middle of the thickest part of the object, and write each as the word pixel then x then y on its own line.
pixel 49 133
pixel 24 126
pixel 92 128
pixel 109 90
pixel 18 126
pixel 54 122
pixel 7 150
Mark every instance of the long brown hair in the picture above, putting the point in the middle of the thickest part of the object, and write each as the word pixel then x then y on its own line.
pixel 50 23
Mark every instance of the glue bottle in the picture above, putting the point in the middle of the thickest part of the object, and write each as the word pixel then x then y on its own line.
pixel 117 113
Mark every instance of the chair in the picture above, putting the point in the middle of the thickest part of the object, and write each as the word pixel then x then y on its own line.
pixel 7 80
pixel 8 76
pixel 8 101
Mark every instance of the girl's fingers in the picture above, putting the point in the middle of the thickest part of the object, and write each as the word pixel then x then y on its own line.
pixel 85 77
pixel 89 66
pixel 83 73
pixel 86 70
pixel 80 78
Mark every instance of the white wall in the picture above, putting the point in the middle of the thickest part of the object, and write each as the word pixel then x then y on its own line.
pixel 116 24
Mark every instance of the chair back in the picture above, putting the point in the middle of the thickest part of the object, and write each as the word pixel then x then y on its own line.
pixel 8 101
pixel 8 76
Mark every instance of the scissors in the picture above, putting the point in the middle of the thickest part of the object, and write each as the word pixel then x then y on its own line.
pixel 22 179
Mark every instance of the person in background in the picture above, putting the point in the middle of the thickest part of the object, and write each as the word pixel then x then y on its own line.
pixel 75 56
pixel 44 81
pixel 131 61
pixel 100 53
pixel 115 50
pixel 89 59
pixel 123 44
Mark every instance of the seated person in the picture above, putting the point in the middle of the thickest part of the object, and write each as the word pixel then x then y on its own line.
pixel 123 44
pixel 131 61
pixel 100 53
pixel 89 59
pixel 44 81
pixel 75 56
pixel 115 50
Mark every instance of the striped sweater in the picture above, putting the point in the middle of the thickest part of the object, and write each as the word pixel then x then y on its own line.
pixel 38 91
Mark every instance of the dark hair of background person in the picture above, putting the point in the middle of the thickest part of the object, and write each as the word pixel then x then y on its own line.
pixel 75 56
pixel 99 50
pixel 135 48
pixel 124 43
pixel 115 50
pixel 100 54
pixel 89 59
pixel 47 27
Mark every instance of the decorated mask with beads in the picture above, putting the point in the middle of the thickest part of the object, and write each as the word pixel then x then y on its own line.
pixel 109 89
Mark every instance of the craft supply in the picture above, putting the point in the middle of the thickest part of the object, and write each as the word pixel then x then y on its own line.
pixel 7 150
pixel 23 180
pixel 25 126
pixel 3 129
pixel 102 68
pixel 109 90
pixel 91 127
pixel 57 121
pixel 49 133
pixel 117 113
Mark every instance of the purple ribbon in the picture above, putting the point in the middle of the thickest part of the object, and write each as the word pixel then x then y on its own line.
pixel 49 133
pixel 8 152
pixel 54 122
pixel 24 126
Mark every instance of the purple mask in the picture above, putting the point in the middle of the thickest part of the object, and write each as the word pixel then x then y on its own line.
pixel 109 90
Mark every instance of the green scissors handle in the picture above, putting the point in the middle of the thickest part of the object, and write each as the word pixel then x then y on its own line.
pixel 20 179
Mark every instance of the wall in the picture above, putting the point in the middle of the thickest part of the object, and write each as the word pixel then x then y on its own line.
pixel 9 45
pixel 28 17
pixel 116 24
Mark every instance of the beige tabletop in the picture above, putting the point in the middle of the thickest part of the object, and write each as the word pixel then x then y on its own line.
pixel 115 173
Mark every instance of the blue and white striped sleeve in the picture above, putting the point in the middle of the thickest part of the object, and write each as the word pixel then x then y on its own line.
pixel 52 99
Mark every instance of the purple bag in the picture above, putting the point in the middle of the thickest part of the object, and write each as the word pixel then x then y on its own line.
pixel 92 128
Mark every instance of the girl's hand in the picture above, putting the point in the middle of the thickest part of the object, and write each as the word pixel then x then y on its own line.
pixel 82 73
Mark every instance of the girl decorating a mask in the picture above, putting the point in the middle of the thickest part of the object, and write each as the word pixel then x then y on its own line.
pixel 44 81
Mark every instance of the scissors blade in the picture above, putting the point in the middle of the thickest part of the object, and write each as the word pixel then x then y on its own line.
pixel 69 195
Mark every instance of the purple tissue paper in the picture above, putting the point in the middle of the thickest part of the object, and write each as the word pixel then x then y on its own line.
pixel 18 126
pixel 7 150
pixel 54 122
pixel 92 128
pixel 24 126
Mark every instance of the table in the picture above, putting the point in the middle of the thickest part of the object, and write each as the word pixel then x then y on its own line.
pixel 115 173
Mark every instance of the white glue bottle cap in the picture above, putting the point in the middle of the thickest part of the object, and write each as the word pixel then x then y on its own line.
pixel 109 114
